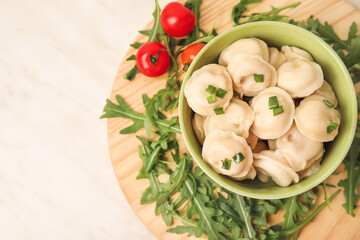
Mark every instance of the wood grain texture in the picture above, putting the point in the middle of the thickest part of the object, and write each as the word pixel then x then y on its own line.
pixel 329 224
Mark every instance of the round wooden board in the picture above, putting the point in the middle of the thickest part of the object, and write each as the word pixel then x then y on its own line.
pixel 334 224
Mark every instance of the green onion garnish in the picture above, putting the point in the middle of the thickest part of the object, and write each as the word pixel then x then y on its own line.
pixel 273 102
pixel 328 103
pixel 211 98
pixel 277 110
pixel 236 94
pixel 226 164
pixel 219 111
pixel 238 158
pixel 247 98
pixel 331 127
pixel 259 78
pixel 220 93
pixel 211 89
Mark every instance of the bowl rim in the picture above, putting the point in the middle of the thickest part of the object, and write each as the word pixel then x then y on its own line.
pixel 274 195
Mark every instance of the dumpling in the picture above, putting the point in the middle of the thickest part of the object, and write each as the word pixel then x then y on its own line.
pixel 313 168
pixel 274 112
pixel 227 153
pixel 251 74
pixel 198 126
pixel 327 92
pixel 252 140
pixel 300 78
pixel 292 53
pixel 238 118
pixel 268 165
pixel 260 146
pixel 276 58
pixel 204 86
pixel 251 46
pixel 251 175
pixel 298 150
pixel 272 144
pixel 316 120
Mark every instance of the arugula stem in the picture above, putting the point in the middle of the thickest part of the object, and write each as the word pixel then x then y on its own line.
pixel 325 195
pixel 153 158
pixel 169 163
pixel 185 221
pixel 303 222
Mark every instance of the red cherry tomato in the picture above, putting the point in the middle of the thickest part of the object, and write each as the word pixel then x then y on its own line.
pixel 177 20
pixel 152 59
pixel 190 52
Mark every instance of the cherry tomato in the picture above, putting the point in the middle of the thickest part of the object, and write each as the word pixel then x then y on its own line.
pixel 190 52
pixel 177 20
pixel 152 59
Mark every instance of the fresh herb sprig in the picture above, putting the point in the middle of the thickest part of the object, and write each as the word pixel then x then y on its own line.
pixel 203 207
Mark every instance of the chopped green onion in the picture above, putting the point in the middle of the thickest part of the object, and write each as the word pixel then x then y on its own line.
pixel 247 98
pixel 211 89
pixel 331 127
pixel 238 158
pixel 220 93
pixel 226 164
pixel 219 111
pixel 211 98
pixel 236 94
pixel 259 78
pixel 278 110
pixel 328 103
pixel 273 102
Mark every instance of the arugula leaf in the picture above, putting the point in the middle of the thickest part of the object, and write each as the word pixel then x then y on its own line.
pixel 352 182
pixel 176 181
pixel 195 33
pixel 207 215
pixel 271 15
pixel 242 208
pixel 124 111
pixel 132 73
pixel 292 212
pixel 239 9
pixel 152 34
pixel 308 219
pixel 156 29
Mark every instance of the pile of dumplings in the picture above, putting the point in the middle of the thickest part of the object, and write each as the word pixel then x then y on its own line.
pixel 263 112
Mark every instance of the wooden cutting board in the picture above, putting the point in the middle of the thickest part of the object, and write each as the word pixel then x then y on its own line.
pixel 334 224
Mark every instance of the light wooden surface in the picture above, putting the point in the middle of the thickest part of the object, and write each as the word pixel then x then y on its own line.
pixel 334 224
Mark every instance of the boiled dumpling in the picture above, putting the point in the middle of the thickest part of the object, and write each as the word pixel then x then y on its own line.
pixel 252 140
pixel 292 53
pixel 313 168
pixel 223 150
pixel 260 146
pixel 268 165
pixel 272 121
pixel 198 126
pixel 327 92
pixel 316 120
pixel 298 150
pixel 251 74
pixel 204 84
pixel 300 78
pixel 272 144
pixel 251 175
pixel 238 118
pixel 251 46
pixel 276 58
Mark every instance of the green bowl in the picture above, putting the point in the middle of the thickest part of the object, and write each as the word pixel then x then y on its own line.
pixel 277 34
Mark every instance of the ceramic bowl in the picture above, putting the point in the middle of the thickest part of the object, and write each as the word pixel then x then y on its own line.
pixel 277 34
